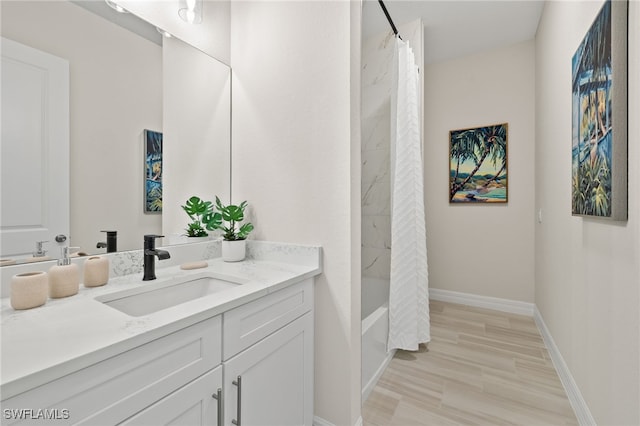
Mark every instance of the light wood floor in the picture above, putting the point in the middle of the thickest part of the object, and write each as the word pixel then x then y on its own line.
pixel 481 367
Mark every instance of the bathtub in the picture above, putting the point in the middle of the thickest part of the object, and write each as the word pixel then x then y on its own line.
pixel 375 329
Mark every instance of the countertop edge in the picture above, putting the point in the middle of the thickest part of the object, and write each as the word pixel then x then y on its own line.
pixel 41 377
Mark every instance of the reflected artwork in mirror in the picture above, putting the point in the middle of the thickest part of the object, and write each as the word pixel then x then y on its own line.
pixel 153 171
pixel 118 85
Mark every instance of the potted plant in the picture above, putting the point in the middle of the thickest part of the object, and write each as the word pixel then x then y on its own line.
pixel 202 216
pixel 228 218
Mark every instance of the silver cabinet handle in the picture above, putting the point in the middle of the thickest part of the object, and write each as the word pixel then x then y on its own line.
pixel 218 396
pixel 238 383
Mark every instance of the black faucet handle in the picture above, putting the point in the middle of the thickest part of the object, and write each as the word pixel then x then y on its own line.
pixel 112 241
pixel 150 253
pixel 150 241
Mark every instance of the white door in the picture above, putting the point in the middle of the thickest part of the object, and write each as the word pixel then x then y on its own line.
pixel 276 379
pixel 195 404
pixel 34 149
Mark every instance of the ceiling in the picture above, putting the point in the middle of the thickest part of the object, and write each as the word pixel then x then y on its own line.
pixel 453 28
pixel 456 28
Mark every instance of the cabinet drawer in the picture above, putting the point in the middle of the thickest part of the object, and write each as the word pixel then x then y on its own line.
pixel 248 324
pixel 115 389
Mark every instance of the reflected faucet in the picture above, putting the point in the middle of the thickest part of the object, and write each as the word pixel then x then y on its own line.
pixel 40 252
pixel 150 253
pixel 112 242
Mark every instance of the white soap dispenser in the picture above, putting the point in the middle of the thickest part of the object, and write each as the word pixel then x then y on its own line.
pixel 64 278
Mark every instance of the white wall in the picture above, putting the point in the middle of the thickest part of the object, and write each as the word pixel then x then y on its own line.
pixel 294 129
pixel 481 249
pixel 115 93
pixel 587 270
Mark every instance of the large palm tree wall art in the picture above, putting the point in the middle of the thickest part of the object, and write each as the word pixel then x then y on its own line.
pixel 599 119
pixel 478 165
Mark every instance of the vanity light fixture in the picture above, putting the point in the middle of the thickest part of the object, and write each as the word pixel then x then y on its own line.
pixel 115 6
pixel 190 11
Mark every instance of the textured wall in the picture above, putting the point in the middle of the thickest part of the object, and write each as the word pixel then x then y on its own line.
pixel 293 160
pixel 482 249
pixel 587 270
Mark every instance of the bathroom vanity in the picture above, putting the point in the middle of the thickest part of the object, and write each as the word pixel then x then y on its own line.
pixel 241 354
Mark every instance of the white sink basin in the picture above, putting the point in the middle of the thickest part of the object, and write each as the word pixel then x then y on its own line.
pixel 153 298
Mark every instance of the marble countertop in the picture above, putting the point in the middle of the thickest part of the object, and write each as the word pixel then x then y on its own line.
pixel 64 335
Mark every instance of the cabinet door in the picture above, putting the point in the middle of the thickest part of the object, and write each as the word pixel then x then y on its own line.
pixel 194 404
pixel 271 383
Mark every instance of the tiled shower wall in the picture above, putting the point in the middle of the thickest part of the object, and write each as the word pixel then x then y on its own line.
pixel 377 56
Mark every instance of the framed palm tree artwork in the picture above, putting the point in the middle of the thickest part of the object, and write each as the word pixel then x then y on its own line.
pixel 478 165
pixel 599 117
pixel 153 172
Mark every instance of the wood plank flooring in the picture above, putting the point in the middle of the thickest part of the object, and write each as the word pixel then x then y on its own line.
pixel 481 367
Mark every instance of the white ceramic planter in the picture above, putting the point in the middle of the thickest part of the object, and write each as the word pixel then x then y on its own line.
pixel 234 251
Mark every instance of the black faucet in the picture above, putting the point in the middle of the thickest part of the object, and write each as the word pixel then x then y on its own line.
pixel 112 242
pixel 150 253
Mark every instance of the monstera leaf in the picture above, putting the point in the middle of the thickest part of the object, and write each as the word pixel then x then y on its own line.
pixel 200 212
pixel 228 221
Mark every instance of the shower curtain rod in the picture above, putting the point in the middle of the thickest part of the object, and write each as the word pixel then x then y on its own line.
pixel 386 13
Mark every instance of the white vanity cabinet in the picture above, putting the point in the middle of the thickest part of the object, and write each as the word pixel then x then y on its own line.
pixel 251 365
pixel 271 381
pixel 268 369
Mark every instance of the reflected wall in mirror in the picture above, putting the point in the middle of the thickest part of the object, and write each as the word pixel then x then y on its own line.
pixel 117 88
pixel 197 132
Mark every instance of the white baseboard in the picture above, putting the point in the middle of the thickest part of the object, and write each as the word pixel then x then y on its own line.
pixel 372 383
pixel 576 400
pixel 319 421
pixel 497 304
pixel 579 405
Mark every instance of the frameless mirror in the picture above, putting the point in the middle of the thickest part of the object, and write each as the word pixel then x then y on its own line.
pixel 124 78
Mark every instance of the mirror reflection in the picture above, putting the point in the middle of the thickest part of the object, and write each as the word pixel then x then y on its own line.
pixel 119 87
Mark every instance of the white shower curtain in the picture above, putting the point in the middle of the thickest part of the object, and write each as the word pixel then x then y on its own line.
pixel 408 293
